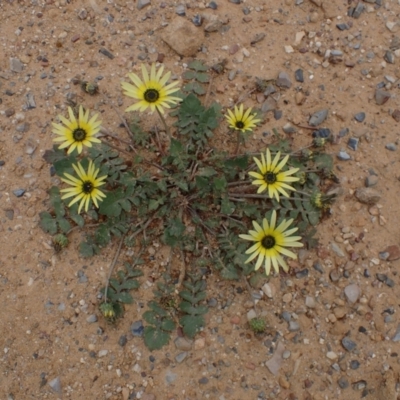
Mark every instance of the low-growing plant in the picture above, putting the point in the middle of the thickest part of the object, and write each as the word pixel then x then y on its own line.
pixel 198 199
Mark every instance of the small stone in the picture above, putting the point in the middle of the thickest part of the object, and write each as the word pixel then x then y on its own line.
pixel 55 384
pixel 197 20
pixel 394 252
pixel 180 10
pixel 9 112
pixel 286 354
pixel 348 344
pixel 91 319
pixel 275 362
pixel 82 14
pixel 212 302
pixel 343 132
pixel 389 57
pixel 358 10
pixel 251 314
pixel 310 302
pixel 343 156
pixel 334 275
pixel 16 65
pixel 331 355
pixel 288 128
pixel 82 278
pixel 19 192
pixel 396 115
pixel 183 344
pixel 213 5
pixel 122 341
pixel 283 80
pixel 170 377
pixel 30 101
pixel 342 27
pixel 318 267
pixel 360 117
pixel 391 147
pixel 106 53
pixel 302 274
pixel 294 326
pixel 203 380
pixel 392 26
pixel 298 75
pixel 286 316
pixel 381 96
pixel 396 336
pixel 102 353
pixel 371 180
pixel 354 364
pixel 199 343
pixel 337 250
pixel 142 4
pixel 287 297
pixel 137 328
pixel 283 382
pixel 181 356
pixel 352 293
pixel 235 320
pixel 352 143
pixel 318 117
pixel 343 382
pixel 269 290
pixel 368 196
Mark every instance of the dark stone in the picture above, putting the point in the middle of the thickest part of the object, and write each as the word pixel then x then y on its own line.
pixel 343 382
pixel 323 133
pixel 342 155
pixel 343 132
pixel 106 53
pixel 9 112
pixel 19 192
pixel 396 115
pixel 381 96
pixel 354 364
pixel 203 380
pixel 348 344
pixel 389 57
pixel 360 117
pixel 391 147
pixel 180 10
pixel 298 75
pixel 213 5
pixel 122 341
pixel 352 143
pixel 277 114
pixel 137 328
pixel 358 10
pixel 342 27
pixel 318 117
pixel 318 267
pixel 302 274
pixel 197 20
pixel 82 278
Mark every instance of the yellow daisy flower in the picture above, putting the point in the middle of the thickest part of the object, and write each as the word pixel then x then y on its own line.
pixel 271 177
pixel 240 120
pixel 271 243
pixel 77 133
pixel 85 188
pixel 152 92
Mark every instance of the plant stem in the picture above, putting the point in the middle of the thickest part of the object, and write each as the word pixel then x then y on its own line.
pixel 249 195
pixel 238 183
pixel 164 122
pixel 85 226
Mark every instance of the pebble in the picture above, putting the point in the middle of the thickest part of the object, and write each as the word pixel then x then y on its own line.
pixel 352 143
pixel 16 65
pixel 170 377
pixel 396 115
pixel 354 364
pixel 286 354
pixel 275 362
pixel 288 127
pixel 180 10
pixel 122 341
pixel 82 278
pixel 183 344
pixel 251 314
pixel 389 57
pixel 55 384
pixel 391 147
pixel 299 75
pixel 368 196
pixel 358 10
pixel 396 336
pixel 352 293
pixel 102 353
pixel 30 101
pixel 381 96
pixel 203 380
pixel 343 156
pixel 181 356
pixel 294 326
pixel 302 274
pixel 337 250
pixel 360 117
pixel 142 4
pixel 213 5
pixel 334 275
pixel 283 80
pixel 91 319
pixel 394 252
pixel 310 302
pixel 9 112
pixel 343 382
pixel 348 344
pixel 269 290
pixel 197 20
pixel 106 53
pixel 342 27
pixel 371 180
pixel 19 192
pixel 137 328
pixel 331 355
pixel 318 117
pixel 318 267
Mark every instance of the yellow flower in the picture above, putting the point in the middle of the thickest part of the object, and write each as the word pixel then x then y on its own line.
pixel 152 92
pixel 271 242
pixel 240 120
pixel 85 188
pixel 77 133
pixel 271 177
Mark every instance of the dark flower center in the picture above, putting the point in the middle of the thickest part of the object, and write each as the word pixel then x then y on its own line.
pixel 270 177
pixel 87 187
pixel 151 95
pixel 268 242
pixel 239 124
pixel 79 134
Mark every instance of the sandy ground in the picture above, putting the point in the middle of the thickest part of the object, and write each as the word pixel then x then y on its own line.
pixel 50 350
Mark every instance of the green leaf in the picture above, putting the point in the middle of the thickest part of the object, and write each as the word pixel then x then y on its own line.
pixel 219 184
pixel 102 235
pixel 157 309
pixel 189 75
pixel 129 285
pixel 155 338
pixel 168 324
pixel 198 89
pixel 191 324
pixel 150 317
pixel 202 77
pixel 124 297
pixel 87 249
pixel 48 223
pixel 197 65
pixel 207 171
pixel 227 207
pixel 64 225
pixel 189 309
pixel 153 204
